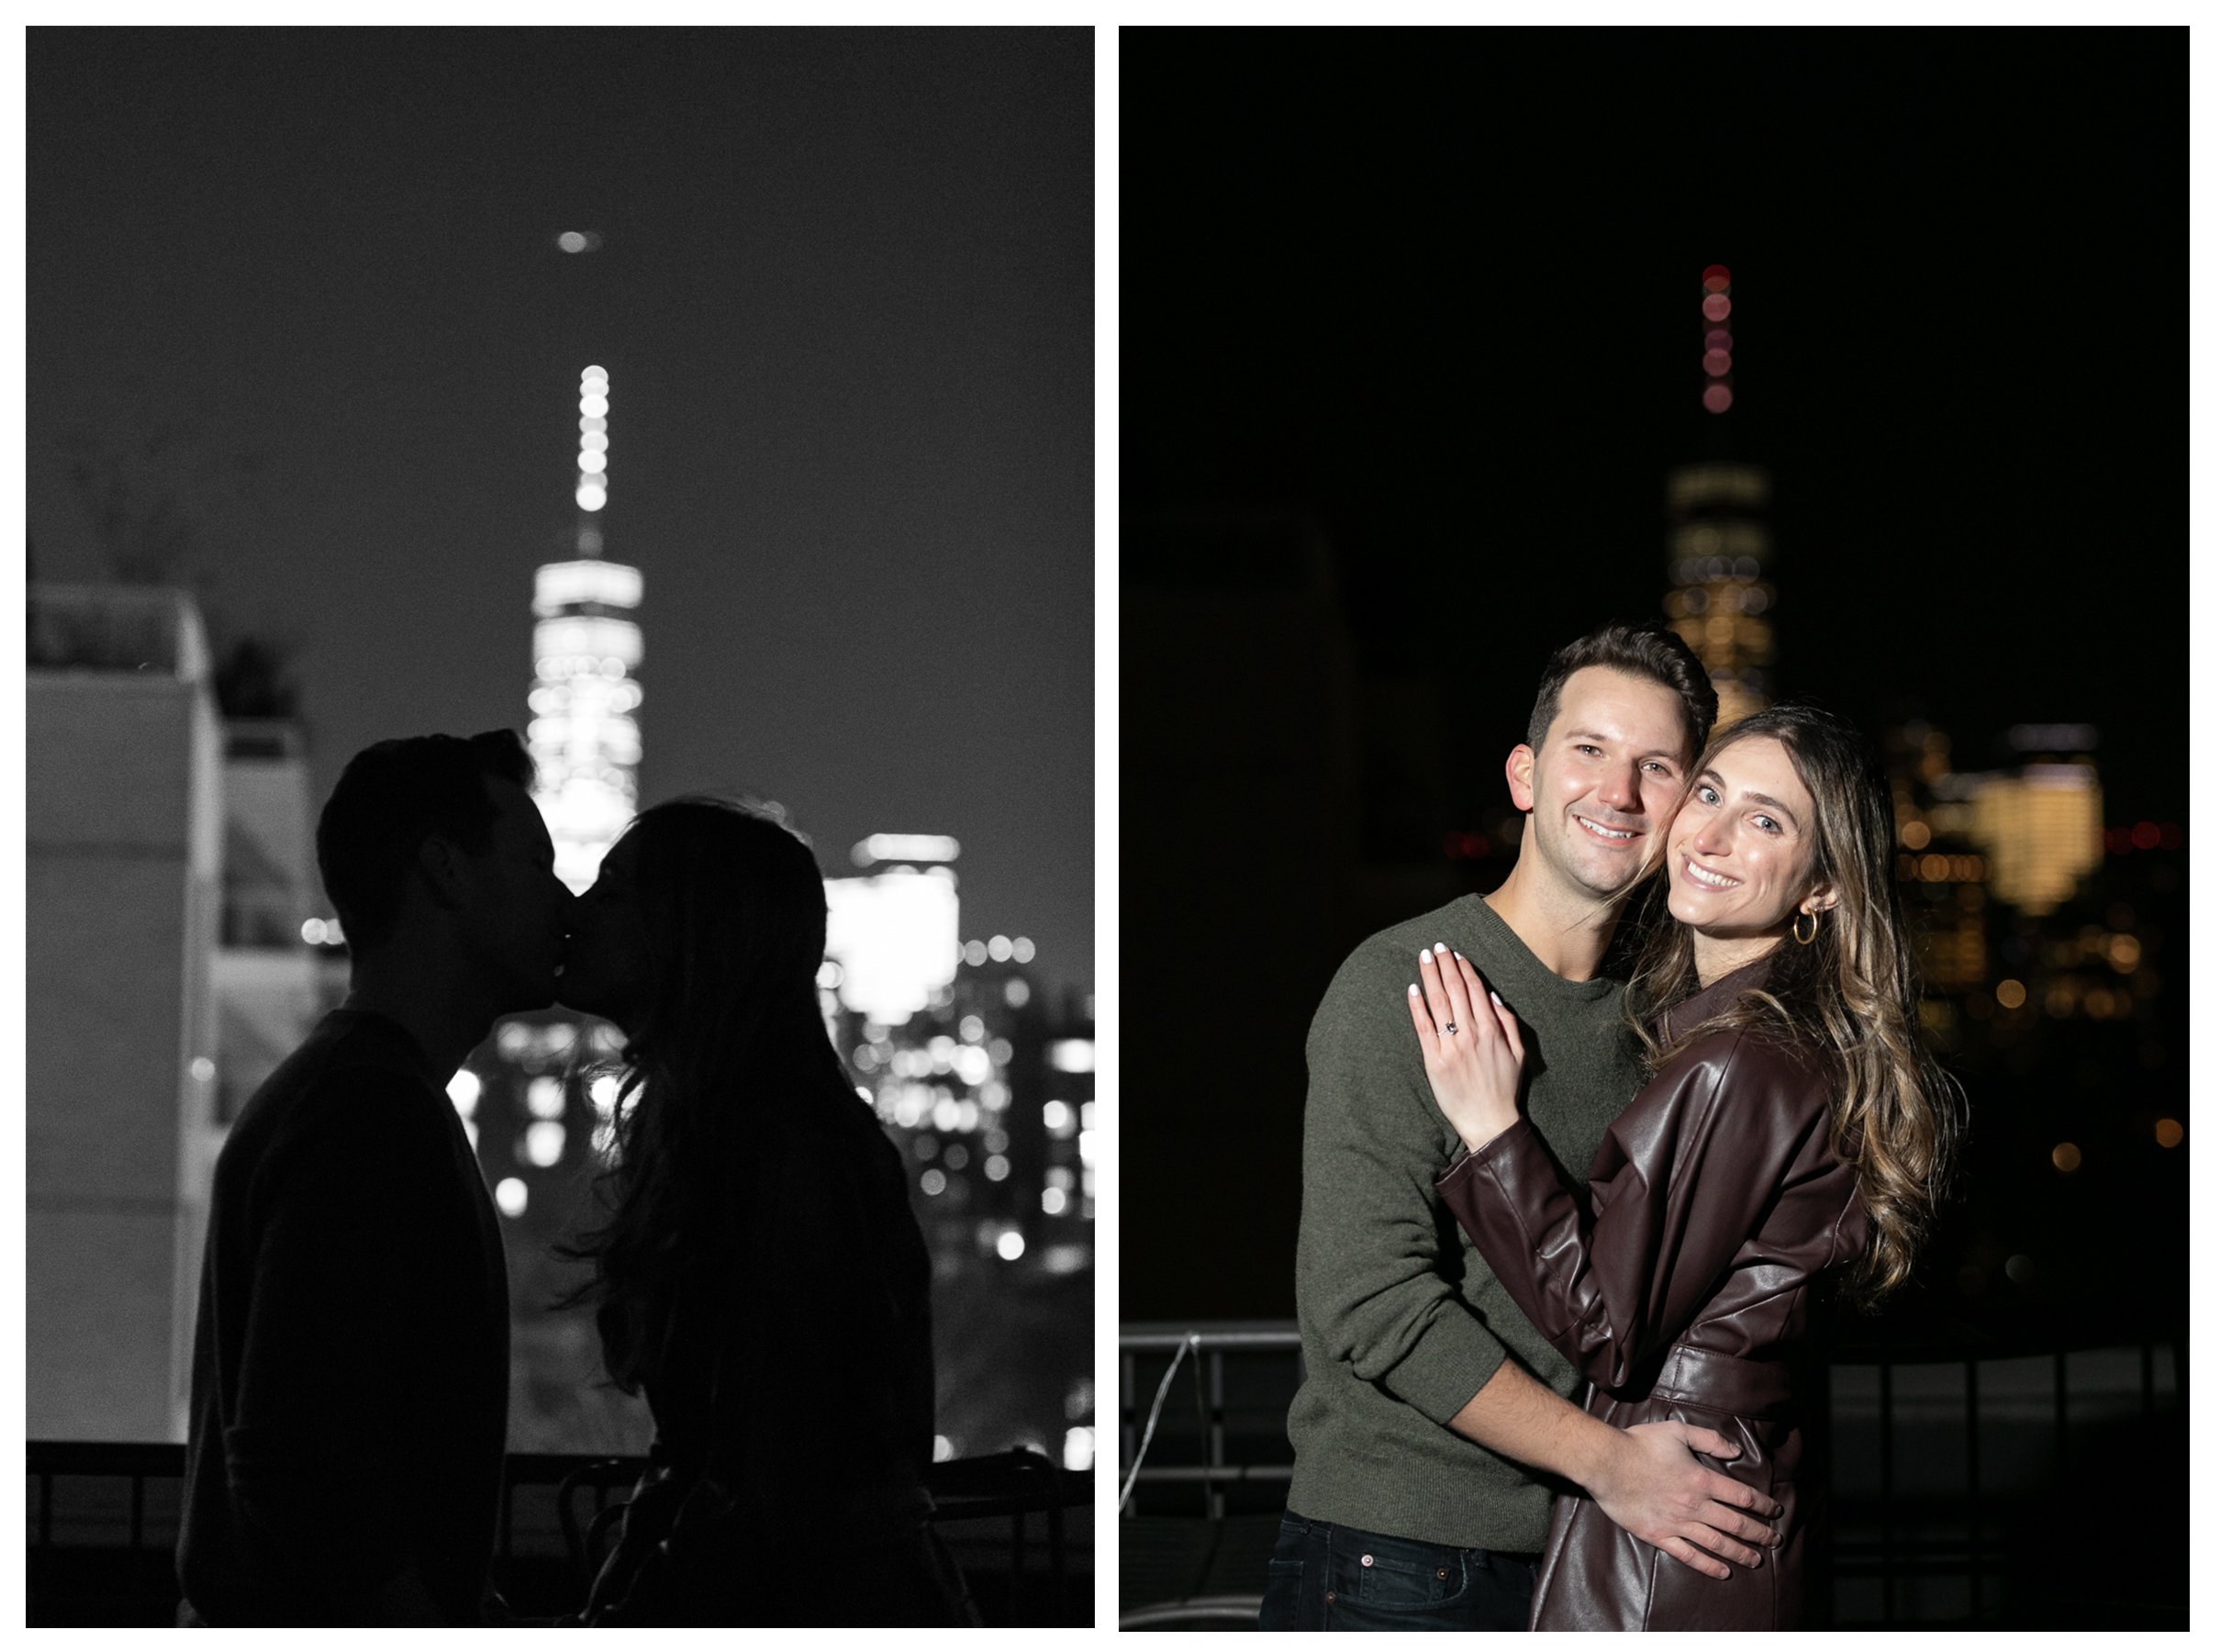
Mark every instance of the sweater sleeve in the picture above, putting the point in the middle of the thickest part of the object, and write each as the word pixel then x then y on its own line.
pixel 1681 1182
pixel 332 1360
pixel 1370 1275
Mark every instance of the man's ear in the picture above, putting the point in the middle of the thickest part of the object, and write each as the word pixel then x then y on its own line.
pixel 1519 773
pixel 440 864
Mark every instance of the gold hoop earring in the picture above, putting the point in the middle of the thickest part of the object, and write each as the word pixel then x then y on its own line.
pixel 1805 937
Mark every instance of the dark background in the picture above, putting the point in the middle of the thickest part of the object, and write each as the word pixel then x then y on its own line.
pixel 1411 338
pixel 296 293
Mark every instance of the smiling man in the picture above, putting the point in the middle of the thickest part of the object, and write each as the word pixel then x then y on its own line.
pixel 1432 1416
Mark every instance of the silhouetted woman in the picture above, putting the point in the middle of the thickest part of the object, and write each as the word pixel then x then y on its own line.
pixel 760 1277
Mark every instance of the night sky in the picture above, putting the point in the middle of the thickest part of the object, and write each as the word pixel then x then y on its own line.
pixel 307 282
pixel 1442 292
pixel 1436 296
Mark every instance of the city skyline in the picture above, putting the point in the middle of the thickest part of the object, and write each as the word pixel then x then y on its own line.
pixel 841 282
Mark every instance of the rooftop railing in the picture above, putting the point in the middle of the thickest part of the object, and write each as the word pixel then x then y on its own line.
pixel 103 1522
pixel 1954 1462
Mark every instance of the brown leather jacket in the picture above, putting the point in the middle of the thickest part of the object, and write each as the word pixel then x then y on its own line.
pixel 1681 1287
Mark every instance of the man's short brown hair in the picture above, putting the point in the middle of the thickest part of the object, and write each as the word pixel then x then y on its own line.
pixel 1651 652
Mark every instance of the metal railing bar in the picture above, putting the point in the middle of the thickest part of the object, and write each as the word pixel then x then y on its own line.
pixel 1974 1501
pixel 1182 1473
pixel 1889 1492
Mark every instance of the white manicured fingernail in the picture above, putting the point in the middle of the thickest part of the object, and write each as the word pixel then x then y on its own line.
pixel 1440 947
pixel 1425 956
pixel 1413 989
pixel 1494 999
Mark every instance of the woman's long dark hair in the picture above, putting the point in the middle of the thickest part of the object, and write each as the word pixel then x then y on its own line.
pixel 1853 993
pixel 733 907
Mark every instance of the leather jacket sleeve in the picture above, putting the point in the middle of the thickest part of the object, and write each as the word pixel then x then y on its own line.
pixel 1680 1184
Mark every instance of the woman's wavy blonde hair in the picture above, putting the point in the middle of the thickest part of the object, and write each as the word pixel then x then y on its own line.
pixel 1853 993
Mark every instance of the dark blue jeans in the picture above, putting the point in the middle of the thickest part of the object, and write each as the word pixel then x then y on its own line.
pixel 1330 1577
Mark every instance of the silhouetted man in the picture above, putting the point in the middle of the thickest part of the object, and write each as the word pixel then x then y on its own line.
pixel 351 1362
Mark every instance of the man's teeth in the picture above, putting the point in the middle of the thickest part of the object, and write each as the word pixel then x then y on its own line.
pixel 1603 831
pixel 1709 879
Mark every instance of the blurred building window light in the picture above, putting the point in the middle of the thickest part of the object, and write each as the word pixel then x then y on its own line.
pixel 967 1116
pixel 974 953
pixel 1056 1118
pixel 1052 1201
pixel 894 935
pixel 1012 1245
pixel 464 1089
pixel 931 1183
pixel 1072 1054
pixel 1079 1450
pixel 602 1092
pixel 543 1143
pixel 903 846
pixel 1086 1115
pixel 971 1029
pixel 512 1195
pixel 2168 1133
pixel 999 948
pixel 1021 949
pixel 1087 1147
pixel 947 1115
pixel 944 1449
pixel 997 1167
pixel 973 1063
pixel 1015 992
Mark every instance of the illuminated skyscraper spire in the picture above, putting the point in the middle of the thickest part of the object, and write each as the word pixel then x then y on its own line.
pixel 586 656
pixel 1718 551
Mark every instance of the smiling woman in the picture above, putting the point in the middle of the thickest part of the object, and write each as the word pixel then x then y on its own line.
pixel 1740 857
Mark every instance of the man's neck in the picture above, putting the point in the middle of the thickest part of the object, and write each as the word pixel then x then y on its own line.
pixel 444 1016
pixel 1568 934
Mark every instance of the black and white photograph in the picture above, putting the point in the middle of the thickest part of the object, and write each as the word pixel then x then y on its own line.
pixel 559 926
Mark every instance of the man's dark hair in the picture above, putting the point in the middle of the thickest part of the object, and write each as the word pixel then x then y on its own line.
pixel 392 796
pixel 1646 651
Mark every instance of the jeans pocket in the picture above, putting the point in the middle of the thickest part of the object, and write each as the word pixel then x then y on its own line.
pixel 1390 1576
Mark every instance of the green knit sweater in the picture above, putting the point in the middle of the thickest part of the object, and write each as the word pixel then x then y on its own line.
pixel 1402 1321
